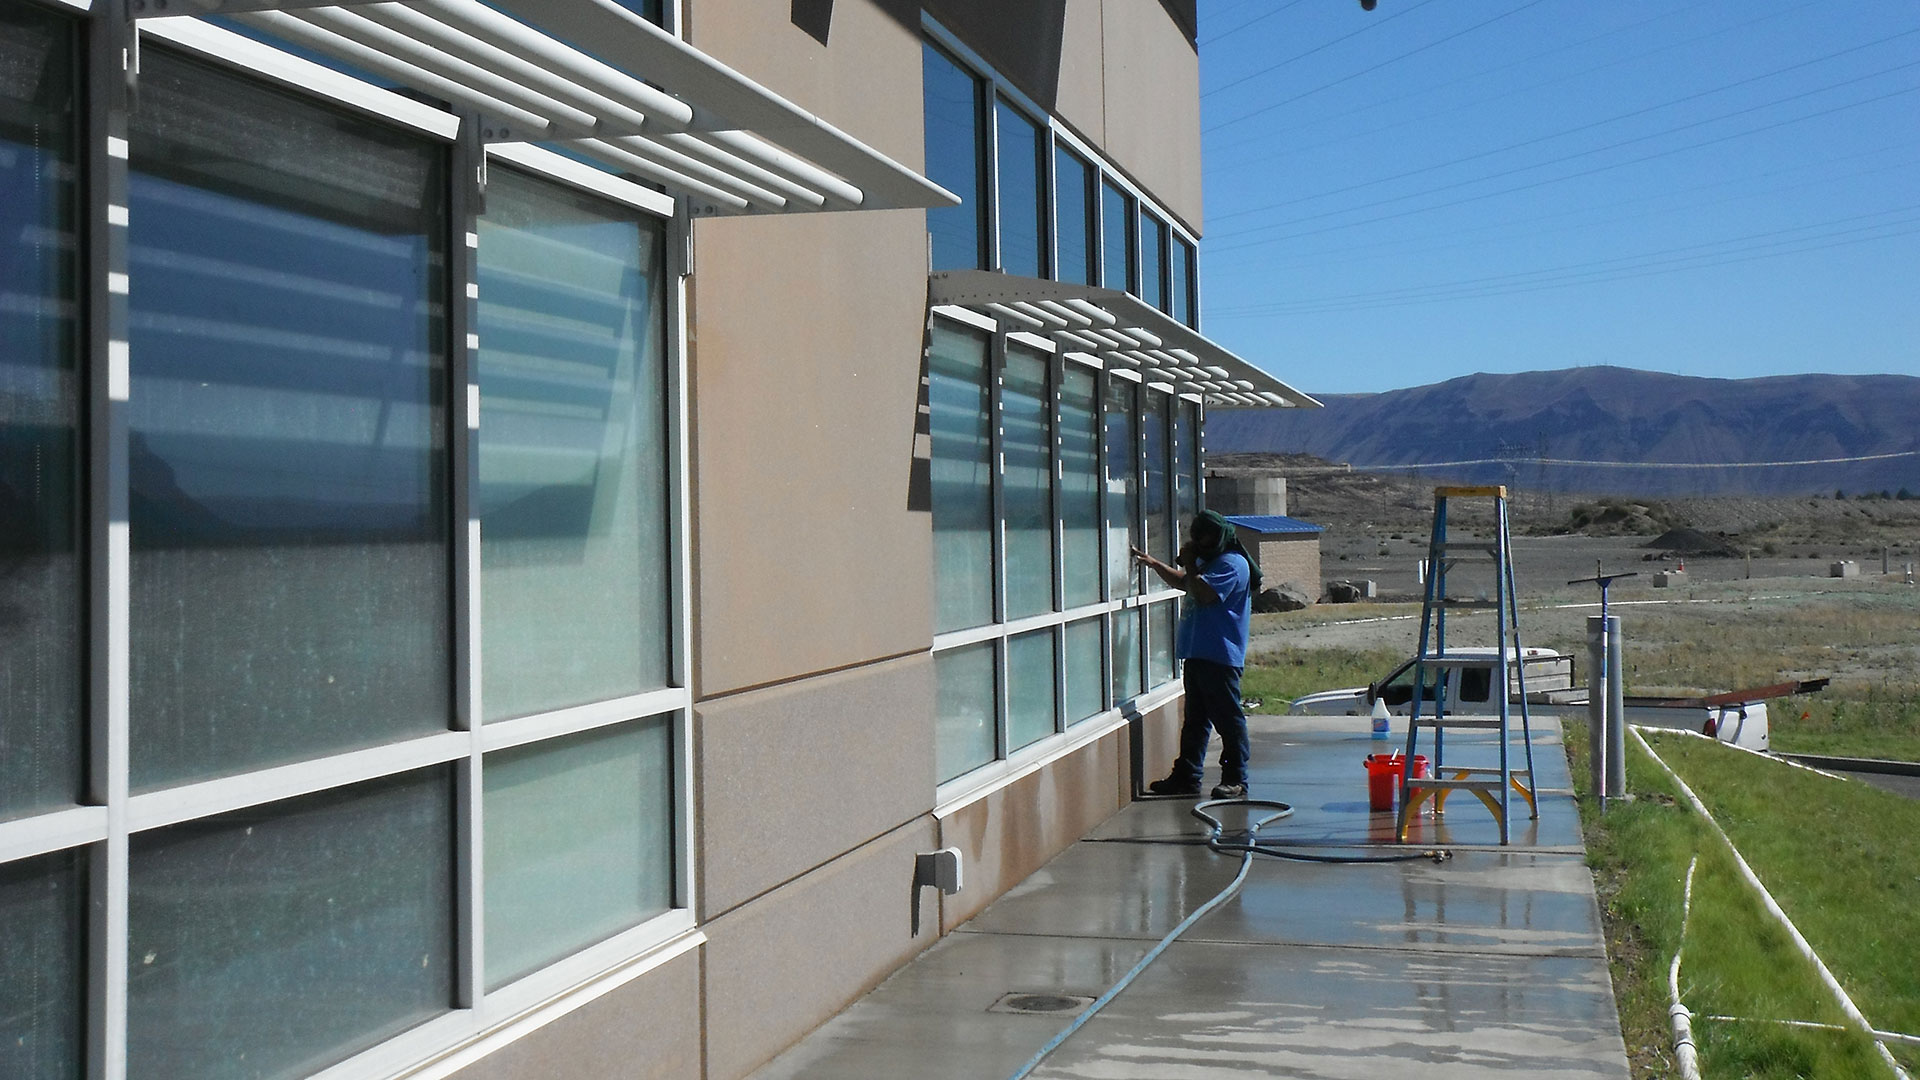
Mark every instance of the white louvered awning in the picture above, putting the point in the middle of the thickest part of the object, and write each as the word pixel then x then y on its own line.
pixel 1118 329
pixel 637 98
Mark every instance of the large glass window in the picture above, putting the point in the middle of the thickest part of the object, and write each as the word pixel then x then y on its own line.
pixel 40 600
pixel 1186 473
pixel 964 714
pixel 962 478
pixel 956 160
pixel 579 842
pixel 1161 627
pixel 43 906
pixel 1074 199
pixel 573 450
pixel 1116 238
pixel 277 940
pixel 1157 491
pixel 1026 410
pixel 1126 654
pixel 1031 715
pixel 1086 670
pixel 288 501
pixel 1080 485
pixel 1123 488
pixel 1022 164
pixel 1153 260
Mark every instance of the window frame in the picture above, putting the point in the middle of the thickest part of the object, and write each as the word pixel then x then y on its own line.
pixel 100 830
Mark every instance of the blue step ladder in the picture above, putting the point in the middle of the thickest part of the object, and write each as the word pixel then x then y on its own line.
pixel 1494 786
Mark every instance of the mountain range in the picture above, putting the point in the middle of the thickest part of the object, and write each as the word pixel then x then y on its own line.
pixel 1613 430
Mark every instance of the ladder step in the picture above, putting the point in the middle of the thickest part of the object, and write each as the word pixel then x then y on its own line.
pixel 1460 722
pixel 1454 660
pixel 1452 603
pixel 1456 785
pixel 1483 547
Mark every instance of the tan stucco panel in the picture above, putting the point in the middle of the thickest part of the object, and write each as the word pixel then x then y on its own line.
pixel 648 1029
pixel 1081 100
pixel 1153 104
pixel 797 775
pixel 784 964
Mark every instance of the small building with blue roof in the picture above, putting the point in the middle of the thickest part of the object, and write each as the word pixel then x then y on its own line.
pixel 1287 547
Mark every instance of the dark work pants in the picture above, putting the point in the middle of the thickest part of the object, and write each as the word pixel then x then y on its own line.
pixel 1213 702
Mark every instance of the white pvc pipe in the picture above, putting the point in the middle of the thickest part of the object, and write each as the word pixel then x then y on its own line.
pixel 1845 1002
pixel 1685 1055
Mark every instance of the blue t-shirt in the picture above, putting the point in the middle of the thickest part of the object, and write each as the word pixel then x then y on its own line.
pixel 1218 631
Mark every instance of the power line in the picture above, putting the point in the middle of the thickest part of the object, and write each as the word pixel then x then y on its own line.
pixel 1540 183
pixel 1371 24
pixel 1368 71
pixel 1598 123
pixel 1249 22
pixel 1546 462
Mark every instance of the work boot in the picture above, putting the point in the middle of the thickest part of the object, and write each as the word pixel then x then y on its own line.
pixel 1173 787
pixel 1230 791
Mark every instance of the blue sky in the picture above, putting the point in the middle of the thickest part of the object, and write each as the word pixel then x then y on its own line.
pixel 1440 187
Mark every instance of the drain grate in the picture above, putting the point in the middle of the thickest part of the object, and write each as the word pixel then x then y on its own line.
pixel 1029 1003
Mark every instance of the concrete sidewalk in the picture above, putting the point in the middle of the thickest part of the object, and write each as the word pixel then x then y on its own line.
pixel 1492 962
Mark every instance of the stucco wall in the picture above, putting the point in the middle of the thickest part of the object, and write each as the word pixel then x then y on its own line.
pixel 1295 560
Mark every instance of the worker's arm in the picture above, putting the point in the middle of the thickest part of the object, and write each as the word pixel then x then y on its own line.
pixel 1182 577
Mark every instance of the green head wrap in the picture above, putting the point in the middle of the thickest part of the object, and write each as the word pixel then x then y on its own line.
pixel 1227 539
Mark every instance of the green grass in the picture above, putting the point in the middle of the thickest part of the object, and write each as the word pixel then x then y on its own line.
pixel 1278 677
pixel 1837 855
pixel 1882 722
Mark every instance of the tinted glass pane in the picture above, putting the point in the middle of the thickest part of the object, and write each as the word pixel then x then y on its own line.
pixel 1126 654
pixel 1153 260
pixel 1186 489
pixel 274 941
pixel 1080 485
pixel 956 152
pixel 1022 166
pixel 1158 490
pixel 1116 238
pixel 573 450
pixel 1074 198
pixel 1123 489
pixel 1086 670
pixel 1030 708
pixel 1182 307
pixel 288 501
pixel 579 842
pixel 40 718
pixel 43 905
pixel 964 711
pixel 962 479
pixel 1027 488
pixel 1160 631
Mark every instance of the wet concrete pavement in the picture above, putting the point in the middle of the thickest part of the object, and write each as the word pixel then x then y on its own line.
pixel 1492 962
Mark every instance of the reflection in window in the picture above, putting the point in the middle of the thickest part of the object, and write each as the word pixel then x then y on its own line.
pixel 1030 705
pixel 40 679
pixel 1161 620
pixel 1027 487
pixel 1074 199
pixel 1086 670
pixel 1126 654
pixel 1123 489
pixel 1157 492
pixel 1153 260
pixel 274 941
pixel 1080 485
pixel 962 479
pixel 573 450
pixel 1186 475
pixel 956 156
pixel 1182 308
pixel 579 841
pixel 43 966
pixel 1022 163
pixel 288 501
pixel 964 714
pixel 1116 238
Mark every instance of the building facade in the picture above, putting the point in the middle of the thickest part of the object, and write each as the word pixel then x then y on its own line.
pixel 398 674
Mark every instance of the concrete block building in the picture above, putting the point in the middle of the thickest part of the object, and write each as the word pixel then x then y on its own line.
pixel 396 677
pixel 1288 549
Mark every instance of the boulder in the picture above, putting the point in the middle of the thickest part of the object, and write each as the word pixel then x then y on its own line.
pixel 1287 597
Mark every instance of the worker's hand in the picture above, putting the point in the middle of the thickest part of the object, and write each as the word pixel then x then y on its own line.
pixel 1139 556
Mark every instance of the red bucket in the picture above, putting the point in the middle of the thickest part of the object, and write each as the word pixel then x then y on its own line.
pixel 1383 777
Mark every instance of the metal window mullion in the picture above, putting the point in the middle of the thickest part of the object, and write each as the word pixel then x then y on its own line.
pixel 467 175
pixel 678 268
pixel 996 486
pixel 990 170
pixel 107 384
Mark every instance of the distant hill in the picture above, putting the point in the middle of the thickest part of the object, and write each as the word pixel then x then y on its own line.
pixel 1611 414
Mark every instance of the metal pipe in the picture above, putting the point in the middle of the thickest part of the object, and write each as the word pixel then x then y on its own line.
pixel 1616 715
pixel 1597 707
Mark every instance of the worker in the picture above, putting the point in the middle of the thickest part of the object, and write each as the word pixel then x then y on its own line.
pixel 1220 579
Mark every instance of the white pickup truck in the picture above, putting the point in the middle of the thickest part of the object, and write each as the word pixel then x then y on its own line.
pixel 1466 678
